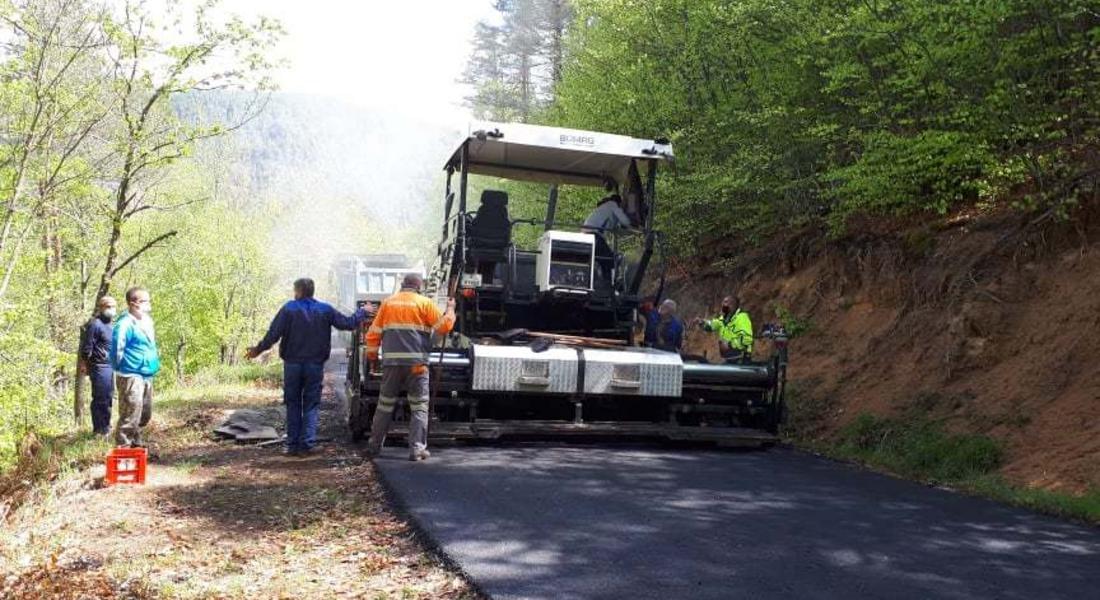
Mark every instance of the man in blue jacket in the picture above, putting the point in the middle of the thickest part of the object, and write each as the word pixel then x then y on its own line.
pixel 135 361
pixel 670 329
pixel 303 326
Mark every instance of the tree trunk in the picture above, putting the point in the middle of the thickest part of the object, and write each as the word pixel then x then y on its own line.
pixel 112 258
pixel 122 203
pixel 51 243
pixel 78 382
pixel 525 87
pixel 179 358
pixel 557 36
pixel 78 393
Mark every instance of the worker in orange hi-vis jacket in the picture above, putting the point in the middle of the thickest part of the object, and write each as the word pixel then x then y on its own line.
pixel 402 330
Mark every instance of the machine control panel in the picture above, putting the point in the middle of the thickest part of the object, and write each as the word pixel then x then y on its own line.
pixel 566 260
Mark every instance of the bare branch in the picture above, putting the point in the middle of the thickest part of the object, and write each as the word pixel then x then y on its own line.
pixel 142 250
pixel 166 207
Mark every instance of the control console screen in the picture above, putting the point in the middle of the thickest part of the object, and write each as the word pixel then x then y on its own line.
pixel 571 265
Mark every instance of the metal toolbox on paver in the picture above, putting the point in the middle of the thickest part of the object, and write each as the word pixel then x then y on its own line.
pixel 629 372
pixel 520 369
pixel 633 372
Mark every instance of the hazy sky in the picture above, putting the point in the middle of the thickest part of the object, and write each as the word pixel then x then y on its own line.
pixel 394 54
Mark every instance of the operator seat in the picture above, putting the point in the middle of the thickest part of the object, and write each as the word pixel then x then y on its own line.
pixel 489 234
pixel 490 228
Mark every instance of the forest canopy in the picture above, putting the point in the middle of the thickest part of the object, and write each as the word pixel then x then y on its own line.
pixel 794 113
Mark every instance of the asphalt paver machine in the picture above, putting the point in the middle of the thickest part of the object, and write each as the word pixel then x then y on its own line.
pixel 544 343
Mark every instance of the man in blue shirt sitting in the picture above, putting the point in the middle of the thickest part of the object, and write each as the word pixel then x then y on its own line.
pixel 303 328
pixel 670 329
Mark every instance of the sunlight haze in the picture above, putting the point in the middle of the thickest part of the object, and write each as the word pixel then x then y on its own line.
pixel 404 57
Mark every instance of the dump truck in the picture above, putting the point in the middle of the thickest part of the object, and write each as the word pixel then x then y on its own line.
pixel 544 342
pixel 361 279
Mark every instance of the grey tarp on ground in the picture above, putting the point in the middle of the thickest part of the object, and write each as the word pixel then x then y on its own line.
pixel 247 426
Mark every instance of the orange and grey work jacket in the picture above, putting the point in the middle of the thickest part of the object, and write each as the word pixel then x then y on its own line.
pixel 403 329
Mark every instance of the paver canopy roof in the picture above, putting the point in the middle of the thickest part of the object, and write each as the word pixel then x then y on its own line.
pixel 553 154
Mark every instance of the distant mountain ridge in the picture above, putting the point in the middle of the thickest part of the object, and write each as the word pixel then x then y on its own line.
pixel 312 149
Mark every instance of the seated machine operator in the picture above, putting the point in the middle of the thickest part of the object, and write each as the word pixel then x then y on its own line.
pixel 609 212
pixel 608 215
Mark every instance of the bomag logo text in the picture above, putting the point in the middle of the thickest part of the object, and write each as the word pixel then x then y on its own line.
pixel 577 140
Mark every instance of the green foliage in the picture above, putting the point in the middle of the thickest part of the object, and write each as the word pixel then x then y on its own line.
pixel 808 415
pixel 212 289
pixel 785 114
pixel 99 188
pixel 1084 507
pixel 795 325
pixel 919 449
pixel 933 171
pixel 515 64
pixel 269 374
pixel 43 458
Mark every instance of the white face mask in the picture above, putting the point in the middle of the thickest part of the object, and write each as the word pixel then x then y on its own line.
pixel 109 313
pixel 145 307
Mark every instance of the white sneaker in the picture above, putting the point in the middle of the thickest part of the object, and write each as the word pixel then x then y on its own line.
pixel 420 455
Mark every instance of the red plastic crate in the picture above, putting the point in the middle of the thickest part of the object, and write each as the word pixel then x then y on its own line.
pixel 126 465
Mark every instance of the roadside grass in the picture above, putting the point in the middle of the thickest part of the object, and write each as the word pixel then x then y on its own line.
pixel 40 458
pixel 918 449
pixel 1085 507
pixel 221 520
pixel 922 449
pixel 267 375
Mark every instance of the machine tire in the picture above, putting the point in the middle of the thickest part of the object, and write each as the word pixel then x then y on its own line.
pixel 356 427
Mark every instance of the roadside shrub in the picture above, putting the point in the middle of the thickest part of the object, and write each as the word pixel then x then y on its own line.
pixel 795 325
pixel 807 414
pixel 919 449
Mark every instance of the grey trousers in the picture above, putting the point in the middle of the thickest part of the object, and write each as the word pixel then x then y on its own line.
pixel 135 408
pixel 416 386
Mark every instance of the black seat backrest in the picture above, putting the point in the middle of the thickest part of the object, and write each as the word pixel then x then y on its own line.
pixel 490 227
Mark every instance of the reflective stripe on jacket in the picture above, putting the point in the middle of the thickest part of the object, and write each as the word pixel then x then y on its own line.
pixel 403 329
pixel 735 330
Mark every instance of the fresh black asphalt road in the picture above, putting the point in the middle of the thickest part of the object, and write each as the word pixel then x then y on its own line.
pixel 564 522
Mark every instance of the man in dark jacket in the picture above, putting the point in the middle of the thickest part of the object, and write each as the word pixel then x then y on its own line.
pixel 303 326
pixel 95 352
pixel 651 318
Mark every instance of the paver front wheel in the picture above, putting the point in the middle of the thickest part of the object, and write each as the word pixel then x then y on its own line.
pixel 356 415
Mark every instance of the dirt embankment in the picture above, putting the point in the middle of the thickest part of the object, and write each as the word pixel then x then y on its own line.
pixel 990 323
